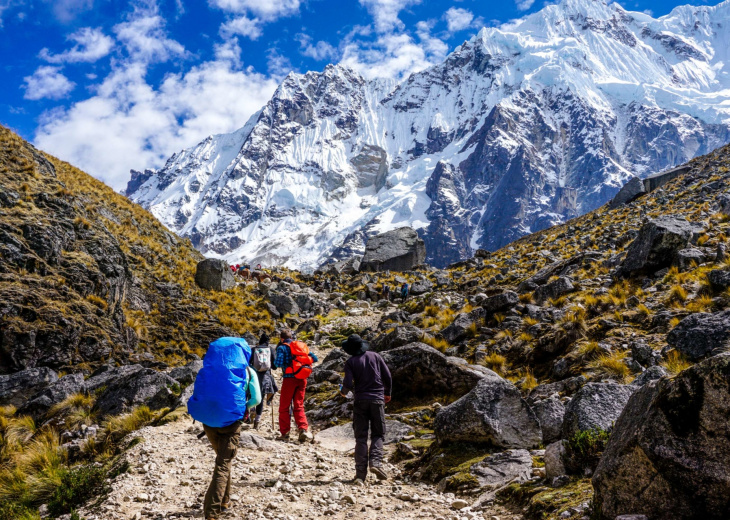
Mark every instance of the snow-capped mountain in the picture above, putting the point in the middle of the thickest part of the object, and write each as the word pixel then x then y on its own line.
pixel 521 127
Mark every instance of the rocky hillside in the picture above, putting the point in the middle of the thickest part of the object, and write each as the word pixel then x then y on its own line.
pixel 522 127
pixel 88 278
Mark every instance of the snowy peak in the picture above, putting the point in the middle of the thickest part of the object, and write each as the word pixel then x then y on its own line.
pixel 521 127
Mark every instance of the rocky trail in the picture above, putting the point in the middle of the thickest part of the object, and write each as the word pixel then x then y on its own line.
pixel 170 468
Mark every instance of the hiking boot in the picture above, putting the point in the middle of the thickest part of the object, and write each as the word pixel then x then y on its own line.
pixel 256 424
pixel 283 438
pixel 305 436
pixel 379 472
pixel 357 481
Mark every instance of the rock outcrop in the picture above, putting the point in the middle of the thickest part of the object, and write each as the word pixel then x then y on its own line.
pixel 17 388
pixel 700 335
pixel 669 451
pixel 214 275
pixel 595 406
pixel 492 413
pixel 398 250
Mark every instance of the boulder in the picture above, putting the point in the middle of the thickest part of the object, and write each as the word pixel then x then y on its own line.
pixel 284 303
pixel 501 302
pixel 566 387
pixel 555 455
pixel 186 375
pixel 398 250
pixel 41 402
pixel 650 374
pixel 595 406
pixel 494 413
pixel 719 279
pixel 501 468
pixel 214 274
pixel 657 245
pixel 701 335
pixel 17 388
pixel 335 360
pixel 421 287
pixel 550 412
pixel 122 388
pixel 669 452
pixel 342 437
pixel 686 259
pixel 401 335
pixel 723 202
pixel 554 290
pixel 459 328
pixel 631 191
pixel 423 371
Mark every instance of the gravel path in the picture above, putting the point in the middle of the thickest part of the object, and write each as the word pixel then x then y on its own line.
pixel 170 470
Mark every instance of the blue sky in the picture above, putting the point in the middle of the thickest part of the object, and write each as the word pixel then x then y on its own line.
pixel 111 85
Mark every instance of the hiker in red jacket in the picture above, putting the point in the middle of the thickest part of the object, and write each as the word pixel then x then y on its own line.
pixel 294 358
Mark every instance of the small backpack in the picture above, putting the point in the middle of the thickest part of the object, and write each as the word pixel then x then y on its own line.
pixel 261 359
pixel 301 366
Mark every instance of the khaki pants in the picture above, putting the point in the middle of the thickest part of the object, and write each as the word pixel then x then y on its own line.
pixel 225 444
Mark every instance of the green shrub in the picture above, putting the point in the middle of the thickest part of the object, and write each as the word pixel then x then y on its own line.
pixel 585 448
pixel 15 511
pixel 78 485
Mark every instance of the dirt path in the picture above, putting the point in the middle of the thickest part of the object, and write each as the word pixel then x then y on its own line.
pixel 170 470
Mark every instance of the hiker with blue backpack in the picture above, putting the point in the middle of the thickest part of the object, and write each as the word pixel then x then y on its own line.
pixel 262 360
pixel 220 402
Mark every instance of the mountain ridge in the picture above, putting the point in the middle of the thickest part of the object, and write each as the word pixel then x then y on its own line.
pixel 537 121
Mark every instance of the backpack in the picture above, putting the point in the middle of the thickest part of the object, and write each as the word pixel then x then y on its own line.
pixel 301 365
pixel 261 359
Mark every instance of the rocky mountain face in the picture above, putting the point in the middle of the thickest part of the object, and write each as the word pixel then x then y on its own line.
pixel 88 278
pixel 520 128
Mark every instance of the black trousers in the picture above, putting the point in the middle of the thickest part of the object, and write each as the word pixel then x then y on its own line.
pixel 368 415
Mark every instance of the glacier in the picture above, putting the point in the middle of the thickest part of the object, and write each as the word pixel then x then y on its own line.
pixel 521 127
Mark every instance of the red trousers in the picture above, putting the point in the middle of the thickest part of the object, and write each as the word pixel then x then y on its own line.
pixel 292 393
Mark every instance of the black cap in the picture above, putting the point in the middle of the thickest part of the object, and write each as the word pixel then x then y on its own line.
pixel 264 339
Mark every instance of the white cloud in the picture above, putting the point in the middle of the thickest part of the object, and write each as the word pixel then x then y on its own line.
pixel 319 51
pixel 385 12
pixel 47 82
pixel 458 19
pixel 67 10
pixel 145 39
pixel 524 5
pixel 277 64
pixel 130 124
pixel 242 26
pixel 91 45
pixel 267 10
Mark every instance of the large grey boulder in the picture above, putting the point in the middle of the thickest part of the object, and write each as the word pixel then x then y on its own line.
pixel 422 371
pixel 669 453
pixel 687 258
pixel 284 303
pixel 398 250
pixel 649 375
pixel 719 279
pixel 555 456
pixel 595 406
pixel 701 335
pixel 186 375
pixel 17 388
pixel 550 412
pixel 122 388
pixel 41 402
pixel 401 335
pixel 501 302
pixel 459 328
pixel 554 290
pixel 631 191
pixel 657 245
pixel 214 274
pixel 494 413
pixel 501 468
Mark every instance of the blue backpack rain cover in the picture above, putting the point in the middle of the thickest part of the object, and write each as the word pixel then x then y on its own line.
pixel 219 395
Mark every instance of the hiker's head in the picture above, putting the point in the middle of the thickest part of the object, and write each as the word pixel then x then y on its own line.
pixel 264 339
pixel 355 345
pixel 286 335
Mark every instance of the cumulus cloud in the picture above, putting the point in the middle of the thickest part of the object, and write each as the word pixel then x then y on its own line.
pixel 91 45
pixel 131 122
pixel 47 82
pixel 242 26
pixel 458 19
pixel 524 5
pixel 385 12
pixel 67 10
pixel 319 51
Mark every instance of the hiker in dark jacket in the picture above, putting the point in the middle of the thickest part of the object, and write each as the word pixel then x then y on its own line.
pixel 404 292
pixel 367 375
pixel 263 365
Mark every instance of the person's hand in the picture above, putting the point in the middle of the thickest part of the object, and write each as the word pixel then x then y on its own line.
pixel 387 399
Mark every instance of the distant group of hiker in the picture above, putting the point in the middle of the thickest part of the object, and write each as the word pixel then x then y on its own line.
pixel 236 381
pixel 244 271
